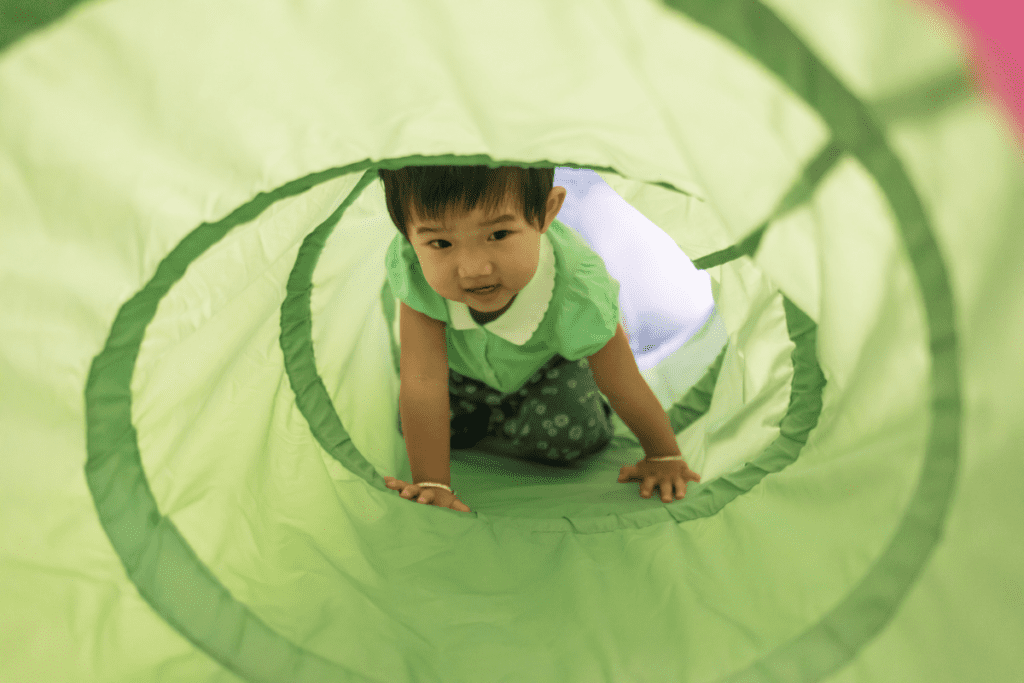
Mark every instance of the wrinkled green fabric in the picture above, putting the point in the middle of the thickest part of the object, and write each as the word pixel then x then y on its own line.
pixel 197 371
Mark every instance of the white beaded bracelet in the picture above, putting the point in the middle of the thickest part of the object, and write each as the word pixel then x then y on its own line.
pixel 436 485
pixel 664 457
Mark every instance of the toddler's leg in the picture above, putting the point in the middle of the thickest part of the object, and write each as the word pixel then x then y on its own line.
pixel 469 409
pixel 558 416
pixel 470 413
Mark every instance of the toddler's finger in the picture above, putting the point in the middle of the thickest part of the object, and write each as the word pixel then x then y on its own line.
pixel 666 492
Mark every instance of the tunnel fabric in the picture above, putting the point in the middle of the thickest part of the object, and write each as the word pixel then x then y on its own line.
pixel 854 621
pixel 287 562
pixel 157 558
pixel 799 194
pixel 159 561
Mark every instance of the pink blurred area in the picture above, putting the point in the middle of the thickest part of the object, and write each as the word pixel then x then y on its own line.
pixel 994 30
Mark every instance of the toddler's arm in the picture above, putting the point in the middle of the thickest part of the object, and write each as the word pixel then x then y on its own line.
pixel 619 378
pixel 424 407
pixel 423 396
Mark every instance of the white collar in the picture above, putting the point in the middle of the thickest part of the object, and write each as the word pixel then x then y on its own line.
pixel 523 317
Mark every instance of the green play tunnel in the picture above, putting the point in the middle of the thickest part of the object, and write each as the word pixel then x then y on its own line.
pixel 198 385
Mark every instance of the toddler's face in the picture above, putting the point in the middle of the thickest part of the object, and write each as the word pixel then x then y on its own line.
pixel 465 252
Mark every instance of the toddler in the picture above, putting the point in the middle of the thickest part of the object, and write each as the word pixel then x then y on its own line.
pixel 509 328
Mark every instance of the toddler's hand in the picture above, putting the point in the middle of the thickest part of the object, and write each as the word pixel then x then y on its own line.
pixel 664 474
pixel 428 495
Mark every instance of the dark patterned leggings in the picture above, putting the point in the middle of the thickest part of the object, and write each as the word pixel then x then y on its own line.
pixel 557 416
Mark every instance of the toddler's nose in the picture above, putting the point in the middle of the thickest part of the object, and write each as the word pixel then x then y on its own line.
pixel 473 267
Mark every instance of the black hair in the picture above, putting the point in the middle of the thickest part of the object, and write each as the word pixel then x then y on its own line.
pixel 433 191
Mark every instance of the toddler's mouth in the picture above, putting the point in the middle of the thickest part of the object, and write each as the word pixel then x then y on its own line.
pixel 483 290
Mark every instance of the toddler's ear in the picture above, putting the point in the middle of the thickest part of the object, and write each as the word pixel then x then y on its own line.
pixel 553 206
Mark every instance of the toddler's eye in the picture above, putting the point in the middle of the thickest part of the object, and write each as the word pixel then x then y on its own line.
pixel 444 244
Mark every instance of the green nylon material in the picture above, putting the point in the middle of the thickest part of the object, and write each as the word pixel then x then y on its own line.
pixel 19 18
pixel 871 604
pixel 153 550
pixel 696 401
pixel 387 303
pixel 297 344
pixel 177 584
pixel 158 560
pixel 802 191
pixel 946 90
